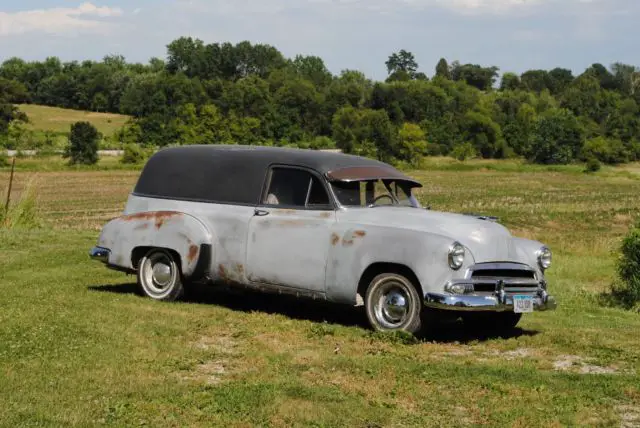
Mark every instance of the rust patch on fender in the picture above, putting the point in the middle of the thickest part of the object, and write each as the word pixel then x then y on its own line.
pixel 239 269
pixel 160 217
pixel 355 235
pixel 222 273
pixel 193 253
pixel 334 239
pixel 143 226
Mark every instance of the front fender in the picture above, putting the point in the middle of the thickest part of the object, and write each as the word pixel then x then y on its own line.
pixel 172 230
pixel 354 249
pixel 527 251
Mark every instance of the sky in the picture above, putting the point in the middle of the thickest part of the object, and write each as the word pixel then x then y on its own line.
pixel 514 35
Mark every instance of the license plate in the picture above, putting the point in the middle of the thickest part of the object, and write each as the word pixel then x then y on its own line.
pixel 522 304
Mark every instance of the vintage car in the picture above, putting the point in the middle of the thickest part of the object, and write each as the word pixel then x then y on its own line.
pixel 320 225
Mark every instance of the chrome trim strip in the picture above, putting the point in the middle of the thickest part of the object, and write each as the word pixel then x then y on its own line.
pixel 508 282
pixel 490 303
pixel 100 254
pixel 499 266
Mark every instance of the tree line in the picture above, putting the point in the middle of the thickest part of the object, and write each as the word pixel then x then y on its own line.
pixel 251 94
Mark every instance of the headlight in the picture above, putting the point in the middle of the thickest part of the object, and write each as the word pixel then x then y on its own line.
pixel 456 256
pixel 544 258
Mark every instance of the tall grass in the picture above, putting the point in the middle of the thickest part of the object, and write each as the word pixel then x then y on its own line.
pixel 22 214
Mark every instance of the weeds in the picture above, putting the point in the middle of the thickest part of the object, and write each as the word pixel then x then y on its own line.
pixel 4 159
pixel 321 330
pixel 23 214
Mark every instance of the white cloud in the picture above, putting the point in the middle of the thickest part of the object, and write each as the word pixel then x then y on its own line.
pixel 57 20
pixel 382 6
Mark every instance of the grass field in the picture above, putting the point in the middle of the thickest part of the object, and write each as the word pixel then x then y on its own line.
pixel 59 120
pixel 78 347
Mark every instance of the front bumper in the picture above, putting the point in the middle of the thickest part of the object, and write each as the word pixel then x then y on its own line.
pixel 100 254
pixel 496 302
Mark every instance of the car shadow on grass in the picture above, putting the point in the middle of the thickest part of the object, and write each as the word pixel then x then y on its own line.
pixel 236 299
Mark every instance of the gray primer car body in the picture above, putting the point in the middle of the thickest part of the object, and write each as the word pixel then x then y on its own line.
pixel 324 253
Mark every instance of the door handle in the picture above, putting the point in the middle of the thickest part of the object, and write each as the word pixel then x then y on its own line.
pixel 260 213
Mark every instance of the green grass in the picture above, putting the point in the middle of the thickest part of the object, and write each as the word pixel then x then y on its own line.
pixel 79 348
pixel 59 120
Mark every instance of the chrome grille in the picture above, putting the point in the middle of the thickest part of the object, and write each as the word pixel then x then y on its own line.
pixel 515 277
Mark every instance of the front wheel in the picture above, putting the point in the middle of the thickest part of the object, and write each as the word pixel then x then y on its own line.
pixel 159 276
pixel 393 304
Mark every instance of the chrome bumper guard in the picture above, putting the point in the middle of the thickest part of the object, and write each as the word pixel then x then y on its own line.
pixel 100 254
pixel 499 301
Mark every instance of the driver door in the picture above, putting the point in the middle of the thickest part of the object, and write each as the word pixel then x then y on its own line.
pixel 290 233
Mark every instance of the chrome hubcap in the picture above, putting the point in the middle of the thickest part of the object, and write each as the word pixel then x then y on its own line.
pixel 161 274
pixel 157 274
pixel 392 305
pixel 395 306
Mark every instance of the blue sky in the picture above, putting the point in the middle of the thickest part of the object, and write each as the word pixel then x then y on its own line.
pixel 514 35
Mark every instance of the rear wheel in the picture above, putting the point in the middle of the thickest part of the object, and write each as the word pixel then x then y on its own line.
pixel 393 304
pixel 159 276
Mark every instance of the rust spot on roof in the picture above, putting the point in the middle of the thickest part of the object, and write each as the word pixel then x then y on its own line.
pixel 360 173
pixel 359 234
pixel 347 242
pixel 143 226
pixel 193 253
pixel 334 239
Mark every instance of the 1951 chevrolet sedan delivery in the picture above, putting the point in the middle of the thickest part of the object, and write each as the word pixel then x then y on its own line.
pixel 321 225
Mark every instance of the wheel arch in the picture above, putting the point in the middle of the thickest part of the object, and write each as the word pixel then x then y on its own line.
pixel 375 269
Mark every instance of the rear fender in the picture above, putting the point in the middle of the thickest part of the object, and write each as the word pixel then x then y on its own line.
pixel 172 230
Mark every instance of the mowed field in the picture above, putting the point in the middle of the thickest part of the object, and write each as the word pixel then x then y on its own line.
pixel 59 120
pixel 78 346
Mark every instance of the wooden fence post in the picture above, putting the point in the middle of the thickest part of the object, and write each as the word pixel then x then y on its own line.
pixel 13 167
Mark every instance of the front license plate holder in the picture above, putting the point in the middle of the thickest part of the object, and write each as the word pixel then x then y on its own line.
pixel 522 304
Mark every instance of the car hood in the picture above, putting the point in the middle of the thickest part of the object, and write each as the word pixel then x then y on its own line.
pixel 487 240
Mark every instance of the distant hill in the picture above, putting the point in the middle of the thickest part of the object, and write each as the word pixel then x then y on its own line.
pixel 59 120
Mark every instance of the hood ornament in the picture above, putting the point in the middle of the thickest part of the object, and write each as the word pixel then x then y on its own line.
pixel 483 217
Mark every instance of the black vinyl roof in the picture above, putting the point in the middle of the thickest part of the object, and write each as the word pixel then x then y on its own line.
pixel 236 174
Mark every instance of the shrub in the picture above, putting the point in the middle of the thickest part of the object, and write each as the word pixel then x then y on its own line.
pixel 605 150
pixel 83 144
pixel 4 158
pixel 626 291
pixel 593 165
pixel 463 152
pixel 134 154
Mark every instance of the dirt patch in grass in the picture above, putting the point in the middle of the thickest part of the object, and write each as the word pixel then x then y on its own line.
pixel 577 364
pixel 221 344
pixel 629 416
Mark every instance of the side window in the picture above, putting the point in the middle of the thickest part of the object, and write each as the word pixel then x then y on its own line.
pixel 296 188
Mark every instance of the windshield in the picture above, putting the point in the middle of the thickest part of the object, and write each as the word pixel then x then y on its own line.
pixel 375 193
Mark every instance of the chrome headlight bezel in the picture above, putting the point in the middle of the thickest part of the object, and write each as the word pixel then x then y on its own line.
pixel 456 256
pixel 545 258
